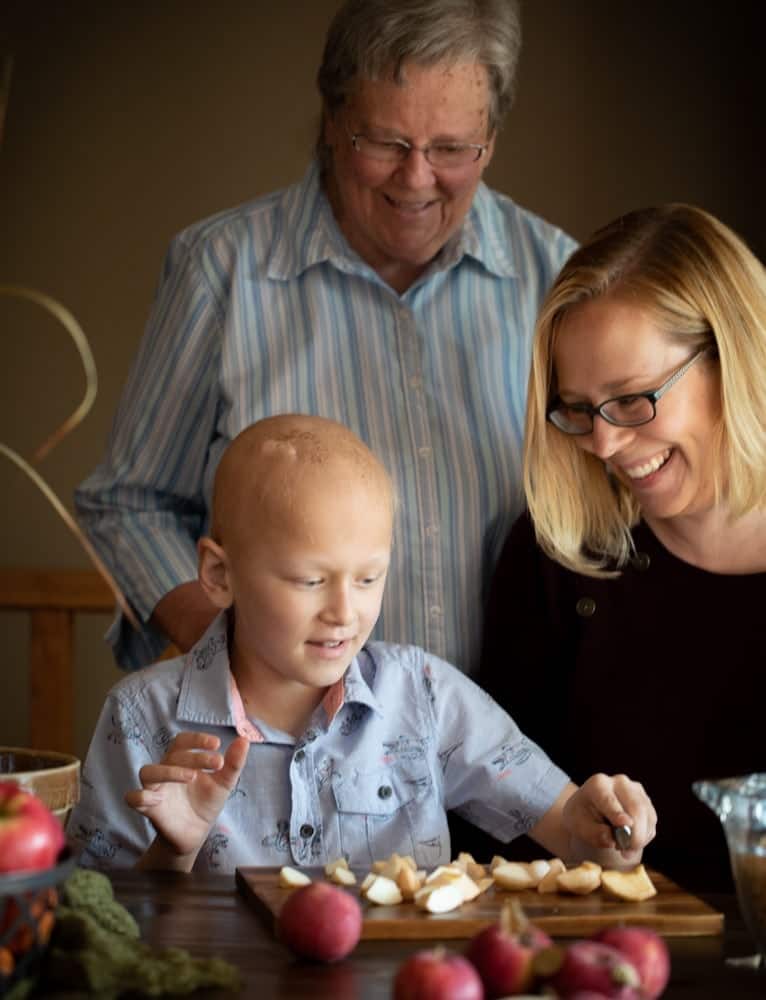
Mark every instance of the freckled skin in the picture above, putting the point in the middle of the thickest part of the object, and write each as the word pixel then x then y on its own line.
pixel 399 216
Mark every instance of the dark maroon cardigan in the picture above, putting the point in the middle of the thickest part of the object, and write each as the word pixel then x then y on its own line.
pixel 659 674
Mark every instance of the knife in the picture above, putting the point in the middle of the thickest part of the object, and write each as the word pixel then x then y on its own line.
pixel 622 836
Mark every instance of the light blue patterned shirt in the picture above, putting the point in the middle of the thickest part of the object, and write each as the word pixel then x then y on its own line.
pixel 401 738
pixel 266 309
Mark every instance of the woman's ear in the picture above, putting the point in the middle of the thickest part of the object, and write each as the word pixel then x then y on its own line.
pixel 213 572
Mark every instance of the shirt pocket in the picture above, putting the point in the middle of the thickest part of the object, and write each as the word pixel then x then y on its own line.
pixel 386 810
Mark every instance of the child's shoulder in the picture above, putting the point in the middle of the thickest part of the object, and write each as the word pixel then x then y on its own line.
pixel 390 662
pixel 160 678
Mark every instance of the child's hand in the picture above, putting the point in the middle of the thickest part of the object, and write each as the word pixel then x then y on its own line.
pixel 604 802
pixel 184 794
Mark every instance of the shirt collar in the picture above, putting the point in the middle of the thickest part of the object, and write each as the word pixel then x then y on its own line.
pixel 479 236
pixel 308 234
pixel 204 696
pixel 209 694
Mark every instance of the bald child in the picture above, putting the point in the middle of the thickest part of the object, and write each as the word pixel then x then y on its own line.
pixel 286 736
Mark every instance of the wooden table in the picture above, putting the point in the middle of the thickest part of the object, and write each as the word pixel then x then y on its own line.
pixel 206 915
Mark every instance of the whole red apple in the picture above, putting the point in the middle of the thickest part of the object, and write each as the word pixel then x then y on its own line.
pixel 30 835
pixel 646 950
pixel 437 975
pixel 591 965
pixel 504 952
pixel 320 921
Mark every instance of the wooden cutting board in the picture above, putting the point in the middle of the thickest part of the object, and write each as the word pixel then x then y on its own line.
pixel 671 912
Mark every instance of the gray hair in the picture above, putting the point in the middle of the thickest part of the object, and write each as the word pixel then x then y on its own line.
pixel 373 39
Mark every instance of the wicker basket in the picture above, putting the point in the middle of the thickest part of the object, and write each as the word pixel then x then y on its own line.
pixel 27 912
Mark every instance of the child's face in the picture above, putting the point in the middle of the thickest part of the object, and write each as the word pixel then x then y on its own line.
pixel 307 585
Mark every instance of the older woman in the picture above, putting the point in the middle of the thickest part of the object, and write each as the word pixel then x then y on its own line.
pixel 389 290
pixel 625 622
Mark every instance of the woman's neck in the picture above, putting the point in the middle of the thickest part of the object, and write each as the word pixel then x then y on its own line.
pixel 715 541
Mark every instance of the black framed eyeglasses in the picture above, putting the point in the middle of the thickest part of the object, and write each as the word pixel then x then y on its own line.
pixel 441 155
pixel 630 410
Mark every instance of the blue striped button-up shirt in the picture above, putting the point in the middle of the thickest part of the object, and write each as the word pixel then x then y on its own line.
pixel 266 309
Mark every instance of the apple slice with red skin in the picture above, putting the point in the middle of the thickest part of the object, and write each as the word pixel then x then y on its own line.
pixel 31 837
pixel 646 950
pixel 504 952
pixel 437 974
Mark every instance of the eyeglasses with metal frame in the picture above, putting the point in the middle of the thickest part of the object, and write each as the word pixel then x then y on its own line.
pixel 439 154
pixel 631 410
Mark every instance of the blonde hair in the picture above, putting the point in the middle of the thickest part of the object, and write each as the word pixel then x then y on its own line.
pixel 703 287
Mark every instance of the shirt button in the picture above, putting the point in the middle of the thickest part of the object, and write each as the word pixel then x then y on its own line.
pixel 432 530
pixel 586 607
pixel 307 830
pixel 311 736
pixel 416 382
pixel 424 451
pixel 641 561
pixel 435 611
pixel 385 792
pixel 299 756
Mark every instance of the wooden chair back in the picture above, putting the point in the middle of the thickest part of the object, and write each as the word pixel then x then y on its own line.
pixel 53 597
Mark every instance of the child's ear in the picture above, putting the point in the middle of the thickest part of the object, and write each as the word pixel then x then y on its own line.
pixel 213 572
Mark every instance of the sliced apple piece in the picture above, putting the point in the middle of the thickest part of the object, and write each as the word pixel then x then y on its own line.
pixel 513 876
pixel 497 860
pixel 409 882
pixel 484 883
pixel 451 875
pixel 444 873
pixel 438 898
pixel 549 882
pixel 332 866
pixel 585 878
pixel 367 881
pixel 538 870
pixel 291 878
pixel 634 885
pixel 388 867
pixel 476 871
pixel 470 866
pixel 465 885
pixel 343 876
pixel 383 891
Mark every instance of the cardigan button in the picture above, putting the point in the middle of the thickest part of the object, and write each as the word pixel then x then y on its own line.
pixel 385 792
pixel 586 607
pixel 307 830
pixel 641 561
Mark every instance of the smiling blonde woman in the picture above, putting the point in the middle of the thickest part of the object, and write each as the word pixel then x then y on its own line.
pixel 632 592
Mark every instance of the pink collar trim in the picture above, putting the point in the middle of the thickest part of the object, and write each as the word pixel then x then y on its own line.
pixel 331 703
pixel 242 724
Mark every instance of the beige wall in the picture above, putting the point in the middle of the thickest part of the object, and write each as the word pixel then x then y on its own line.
pixel 124 127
